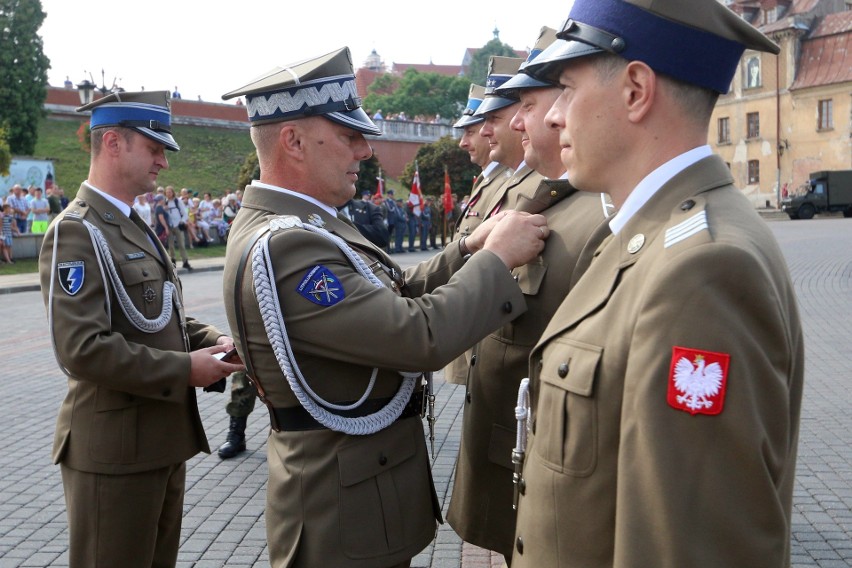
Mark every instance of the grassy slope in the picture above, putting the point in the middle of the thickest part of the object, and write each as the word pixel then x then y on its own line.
pixel 209 159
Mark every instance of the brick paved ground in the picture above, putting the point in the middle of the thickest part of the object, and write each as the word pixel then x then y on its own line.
pixel 223 524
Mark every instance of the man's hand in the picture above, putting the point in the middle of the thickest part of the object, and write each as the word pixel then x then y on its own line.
pixel 517 238
pixel 476 240
pixel 207 369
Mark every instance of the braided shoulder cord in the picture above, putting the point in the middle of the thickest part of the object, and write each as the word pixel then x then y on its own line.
pixel 171 298
pixel 272 315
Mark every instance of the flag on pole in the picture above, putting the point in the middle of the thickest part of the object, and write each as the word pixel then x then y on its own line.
pixel 415 198
pixel 380 190
pixel 448 193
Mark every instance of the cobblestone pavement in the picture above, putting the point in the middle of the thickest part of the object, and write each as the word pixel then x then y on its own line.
pixel 223 523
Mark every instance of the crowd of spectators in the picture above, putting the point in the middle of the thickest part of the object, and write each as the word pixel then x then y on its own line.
pixel 203 220
pixel 27 210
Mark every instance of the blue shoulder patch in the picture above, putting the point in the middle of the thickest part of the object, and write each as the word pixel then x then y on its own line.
pixel 321 286
pixel 71 276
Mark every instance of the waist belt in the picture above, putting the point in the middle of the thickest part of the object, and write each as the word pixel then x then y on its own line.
pixel 296 418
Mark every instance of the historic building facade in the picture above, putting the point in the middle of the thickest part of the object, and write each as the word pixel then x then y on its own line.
pixel 788 115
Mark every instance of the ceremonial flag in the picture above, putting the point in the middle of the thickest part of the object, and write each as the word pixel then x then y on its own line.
pixel 380 190
pixel 448 192
pixel 415 198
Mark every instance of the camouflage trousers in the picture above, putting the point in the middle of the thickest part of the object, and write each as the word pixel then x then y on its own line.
pixel 243 395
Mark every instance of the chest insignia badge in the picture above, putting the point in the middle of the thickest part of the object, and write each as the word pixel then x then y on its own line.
pixel 150 295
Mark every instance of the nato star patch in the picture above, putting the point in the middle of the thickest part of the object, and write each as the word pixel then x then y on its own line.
pixel 321 286
pixel 71 276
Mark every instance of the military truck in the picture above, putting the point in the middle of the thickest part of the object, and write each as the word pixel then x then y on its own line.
pixel 826 191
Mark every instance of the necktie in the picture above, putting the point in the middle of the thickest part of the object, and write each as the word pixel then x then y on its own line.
pixel 137 220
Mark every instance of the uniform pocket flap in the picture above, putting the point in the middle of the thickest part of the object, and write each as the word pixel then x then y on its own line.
pixel 138 271
pixel 530 276
pixel 373 455
pixel 107 399
pixel 571 366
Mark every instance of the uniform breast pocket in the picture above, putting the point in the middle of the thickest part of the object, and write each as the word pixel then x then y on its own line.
pixel 566 434
pixel 385 493
pixel 143 281
pixel 530 276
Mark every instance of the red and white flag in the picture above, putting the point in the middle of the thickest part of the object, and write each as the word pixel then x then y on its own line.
pixel 415 198
pixel 448 193
pixel 380 189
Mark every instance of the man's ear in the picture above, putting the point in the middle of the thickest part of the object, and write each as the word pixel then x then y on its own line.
pixel 291 139
pixel 640 90
pixel 112 142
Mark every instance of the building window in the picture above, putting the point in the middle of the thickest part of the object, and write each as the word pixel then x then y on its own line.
pixel 825 115
pixel 753 79
pixel 754 171
pixel 724 130
pixel 753 121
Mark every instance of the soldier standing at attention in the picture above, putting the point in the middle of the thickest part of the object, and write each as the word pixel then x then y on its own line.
pixel 666 390
pixel 133 358
pixel 309 298
pixel 487 183
pixel 481 509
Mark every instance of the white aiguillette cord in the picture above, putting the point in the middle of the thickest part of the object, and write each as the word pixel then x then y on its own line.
pixel 171 298
pixel 273 321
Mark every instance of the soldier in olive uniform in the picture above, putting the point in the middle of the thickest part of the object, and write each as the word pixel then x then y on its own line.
pixel 241 404
pixel 666 390
pixel 487 183
pixel 133 358
pixel 481 509
pixel 310 298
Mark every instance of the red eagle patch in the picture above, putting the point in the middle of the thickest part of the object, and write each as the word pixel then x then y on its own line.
pixel 698 380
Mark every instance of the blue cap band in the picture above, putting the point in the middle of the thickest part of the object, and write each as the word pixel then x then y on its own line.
pixel 682 52
pixel 115 114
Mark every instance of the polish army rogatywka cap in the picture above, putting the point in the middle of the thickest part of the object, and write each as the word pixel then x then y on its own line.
pixel 500 70
pixel 321 86
pixel 474 99
pixel 698 42
pixel 146 112
pixel 522 80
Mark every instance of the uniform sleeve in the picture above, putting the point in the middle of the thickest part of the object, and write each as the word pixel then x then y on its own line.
pixel 368 325
pixel 709 490
pixel 87 343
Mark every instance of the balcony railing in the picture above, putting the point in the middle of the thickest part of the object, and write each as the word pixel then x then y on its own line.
pixel 411 131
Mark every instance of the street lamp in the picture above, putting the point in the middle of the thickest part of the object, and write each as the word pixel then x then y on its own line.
pixel 87 88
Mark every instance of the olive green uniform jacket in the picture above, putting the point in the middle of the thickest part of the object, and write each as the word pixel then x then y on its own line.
pixel 616 474
pixel 497 193
pixel 335 499
pixel 481 506
pixel 129 406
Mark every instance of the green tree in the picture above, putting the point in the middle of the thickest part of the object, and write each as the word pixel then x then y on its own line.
pixel 250 170
pixel 368 174
pixel 415 93
pixel 5 153
pixel 431 160
pixel 477 72
pixel 23 72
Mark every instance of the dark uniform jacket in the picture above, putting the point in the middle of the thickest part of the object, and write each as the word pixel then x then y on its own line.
pixel 129 407
pixel 335 499
pixel 481 507
pixel 625 470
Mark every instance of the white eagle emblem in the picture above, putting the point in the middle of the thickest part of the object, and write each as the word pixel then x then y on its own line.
pixel 697 383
